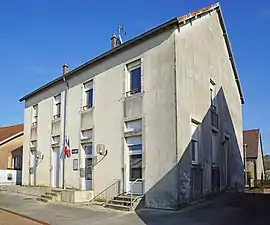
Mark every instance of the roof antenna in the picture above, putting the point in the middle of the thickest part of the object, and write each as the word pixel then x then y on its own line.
pixel 120 30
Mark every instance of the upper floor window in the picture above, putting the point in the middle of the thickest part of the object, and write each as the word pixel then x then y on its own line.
pixel 195 143
pixel 133 125
pixel 56 139
pixel 134 77
pixel 57 106
pixel 87 134
pixel 35 114
pixel 88 95
pixel 213 99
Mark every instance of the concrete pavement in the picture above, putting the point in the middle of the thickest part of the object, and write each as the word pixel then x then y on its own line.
pixel 233 209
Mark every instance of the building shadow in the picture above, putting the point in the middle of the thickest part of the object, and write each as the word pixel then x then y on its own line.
pixel 186 182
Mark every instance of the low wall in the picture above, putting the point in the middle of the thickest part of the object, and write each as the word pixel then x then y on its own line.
pixel 27 190
pixel 74 196
pixel 10 177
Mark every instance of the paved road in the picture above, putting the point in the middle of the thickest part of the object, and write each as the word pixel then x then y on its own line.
pixel 233 209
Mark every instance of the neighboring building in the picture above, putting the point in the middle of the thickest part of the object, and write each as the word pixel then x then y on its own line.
pixel 11 147
pixel 164 110
pixel 254 155
pixel 267 166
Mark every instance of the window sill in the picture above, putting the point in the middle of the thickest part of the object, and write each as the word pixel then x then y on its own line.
pixel 33 125
pixel 87 109
pixel 216 130
pixel 135 95
pixel 56 119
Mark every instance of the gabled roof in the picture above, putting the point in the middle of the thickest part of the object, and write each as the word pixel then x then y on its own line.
pixel 8 132
pixel 251 138
pixel 126 45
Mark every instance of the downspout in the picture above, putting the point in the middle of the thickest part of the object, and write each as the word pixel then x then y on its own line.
pixel 176 108
pixel 65 67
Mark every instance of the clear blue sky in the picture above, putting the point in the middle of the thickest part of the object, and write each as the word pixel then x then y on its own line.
pixel 37 37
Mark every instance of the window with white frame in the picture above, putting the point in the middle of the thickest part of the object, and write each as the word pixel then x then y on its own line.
pixel 57 106
pixel 135 157
pixel 214 114
pixel 88 95
pixel 214 147
pixel 134 77
pixel 133 125
pixel 34 114
pixel 33 144
pixel 86 134
pixel 194 143
pixel 56 139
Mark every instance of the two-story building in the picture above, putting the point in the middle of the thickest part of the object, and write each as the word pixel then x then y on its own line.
pixel 161 112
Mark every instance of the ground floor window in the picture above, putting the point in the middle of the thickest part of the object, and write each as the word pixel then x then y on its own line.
pixel 88 161
pixel 135 167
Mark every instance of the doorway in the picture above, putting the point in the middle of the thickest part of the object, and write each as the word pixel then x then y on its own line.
pixel 55 172
pixel 88 166
pixel 134 165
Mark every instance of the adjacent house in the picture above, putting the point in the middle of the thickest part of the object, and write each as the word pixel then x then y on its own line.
pixel 267 166
pixel 11 147
pixel 161 113
pixel 254 156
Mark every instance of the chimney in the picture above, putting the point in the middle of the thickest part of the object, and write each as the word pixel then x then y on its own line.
pixel 65 68
pixel 114 41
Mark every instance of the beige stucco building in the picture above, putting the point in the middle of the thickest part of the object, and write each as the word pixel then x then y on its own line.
pixel 166 106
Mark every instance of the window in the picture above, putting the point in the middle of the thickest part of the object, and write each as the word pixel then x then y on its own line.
pixel 16 162
pixel 135 157
pixel 134 77
pixel 56 139
pixel 194 143
pixel 214 114
pixel 33 144
pixel 87 134
pixel 35 114
pixel 88 95
pixel 133 125
pixel 214 147
pixel 57 106
pixel 88 149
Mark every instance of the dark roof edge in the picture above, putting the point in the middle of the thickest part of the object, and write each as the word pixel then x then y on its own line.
pixel 148 34
pixel 228 45
pixel 111 52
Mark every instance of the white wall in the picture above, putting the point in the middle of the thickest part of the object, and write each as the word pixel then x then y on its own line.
pixel 16 177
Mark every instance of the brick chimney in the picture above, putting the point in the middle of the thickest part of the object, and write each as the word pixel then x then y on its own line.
pixel 114 41
pixel 65 68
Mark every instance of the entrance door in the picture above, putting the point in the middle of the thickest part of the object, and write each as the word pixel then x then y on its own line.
pixel 134 165
pixel 33 165
pixel 55 172
pixel 88 166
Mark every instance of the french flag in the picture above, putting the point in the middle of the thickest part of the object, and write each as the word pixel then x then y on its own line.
pixel 67 148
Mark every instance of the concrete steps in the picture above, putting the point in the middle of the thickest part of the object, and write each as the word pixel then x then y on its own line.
pixel 123 202
pixel 52 196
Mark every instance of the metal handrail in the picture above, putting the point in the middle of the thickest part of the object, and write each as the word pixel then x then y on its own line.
pixel 131 195
pixel 106 189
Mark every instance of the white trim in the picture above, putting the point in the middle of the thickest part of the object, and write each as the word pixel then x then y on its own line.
pixel 11 137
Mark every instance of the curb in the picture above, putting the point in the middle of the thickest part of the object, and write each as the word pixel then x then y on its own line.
pixel 25 217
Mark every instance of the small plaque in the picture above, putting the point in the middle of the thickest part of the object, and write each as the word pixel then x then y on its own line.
pixel 9 176
pixel 75 164
pixel 75 151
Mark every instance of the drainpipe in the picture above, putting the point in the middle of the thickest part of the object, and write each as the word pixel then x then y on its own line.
pixel 245 163
pixel 65 70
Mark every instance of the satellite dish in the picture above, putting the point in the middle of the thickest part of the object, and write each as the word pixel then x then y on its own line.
pixel 101 150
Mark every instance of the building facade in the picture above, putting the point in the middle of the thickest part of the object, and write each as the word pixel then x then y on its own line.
pixel 161 112
pixel 254 156
pixel 11 147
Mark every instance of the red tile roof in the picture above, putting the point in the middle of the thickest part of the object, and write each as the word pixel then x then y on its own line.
pixel 251 138
pixel 9 131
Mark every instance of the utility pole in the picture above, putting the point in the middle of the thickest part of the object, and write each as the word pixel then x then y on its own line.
pixel 245 163
pixel 65 70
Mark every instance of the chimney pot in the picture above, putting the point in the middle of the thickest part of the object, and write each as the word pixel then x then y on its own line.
pixel 114 41
pixel 65 68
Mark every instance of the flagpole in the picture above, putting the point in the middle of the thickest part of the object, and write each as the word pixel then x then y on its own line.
pixel 64 121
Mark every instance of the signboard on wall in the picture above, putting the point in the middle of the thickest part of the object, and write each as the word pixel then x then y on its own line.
pixel 75 151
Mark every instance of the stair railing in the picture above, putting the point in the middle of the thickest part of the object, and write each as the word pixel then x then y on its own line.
pixel 131 192
pixel 109 192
